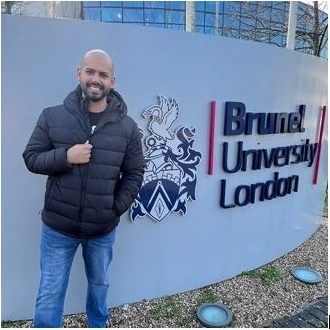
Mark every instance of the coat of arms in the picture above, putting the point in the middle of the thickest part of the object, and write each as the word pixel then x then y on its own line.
pixel 170 176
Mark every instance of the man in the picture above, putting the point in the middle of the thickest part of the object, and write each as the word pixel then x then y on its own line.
pixel 91 151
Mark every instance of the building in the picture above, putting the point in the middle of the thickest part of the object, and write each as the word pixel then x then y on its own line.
pixel 262 21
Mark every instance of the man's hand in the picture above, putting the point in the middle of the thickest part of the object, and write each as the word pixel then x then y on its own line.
pixel 79 153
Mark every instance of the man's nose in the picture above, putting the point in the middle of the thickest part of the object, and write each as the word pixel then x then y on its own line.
pixel 96 78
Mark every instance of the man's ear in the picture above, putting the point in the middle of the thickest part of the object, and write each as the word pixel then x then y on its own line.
pixel 113 81
pixel 78 73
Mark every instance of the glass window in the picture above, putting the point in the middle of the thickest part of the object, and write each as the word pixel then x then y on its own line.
pixel 175 17
pixel 91 3
pixel 133 15
pixel 233 6
pixel 324 52
pixel 210 19
pixel 133 4
pixel 210 6
pixel 199 5
pixel 153 4
pixel 278 26
pixel 278 40
pixel 199 18
pixel 110 3
pixel 180 27
pixel 92 14
pixel 247 8
pixel 278 15
pixel 231 21
pixel 199 29
pixel 154 15
pixel 247 23
pixel 155 25
pixel 209 30
pixel 112 15
pixel 280 5
pixel 264 13
pixel 175 5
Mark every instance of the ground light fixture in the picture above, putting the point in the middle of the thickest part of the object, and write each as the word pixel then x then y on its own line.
pixel 307 275
pixel 214 315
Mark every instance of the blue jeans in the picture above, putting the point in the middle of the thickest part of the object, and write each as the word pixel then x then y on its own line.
pixel 57 253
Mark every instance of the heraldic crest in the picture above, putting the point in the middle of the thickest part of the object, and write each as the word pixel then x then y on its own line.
pixel 171 162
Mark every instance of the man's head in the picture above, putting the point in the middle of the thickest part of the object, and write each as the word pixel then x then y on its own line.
pixel 96 75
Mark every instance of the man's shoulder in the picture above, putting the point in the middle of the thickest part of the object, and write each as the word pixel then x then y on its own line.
pixel 51 109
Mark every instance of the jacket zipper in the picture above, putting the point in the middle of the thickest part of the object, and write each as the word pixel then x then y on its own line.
pixel 89 133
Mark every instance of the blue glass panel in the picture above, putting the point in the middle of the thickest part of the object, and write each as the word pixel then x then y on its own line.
pixel 302 7
pixel 210 19
pixel 133 15
pixel 247 8
pixel 210 6
pixel 265 13
pixel 154 15
pixel 175 5
pixel 91 3
pixel 176 17
pixel 180 27
pixel 133 4
pixel 154 4
pixel 199 18
pixel 112 15
pixel 209 30
pixel 199 5
pixel 92 14
pixel 155 25
pixel 324 52
pixel 278 26
pixel 278 15
pixel 111 3
pixel 233 7
pixel 279 5
pixel 247 23
pixel 199 29
pixel 278 40
pixel 231 21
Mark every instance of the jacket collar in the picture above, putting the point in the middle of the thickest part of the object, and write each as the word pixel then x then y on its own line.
pixel 116 110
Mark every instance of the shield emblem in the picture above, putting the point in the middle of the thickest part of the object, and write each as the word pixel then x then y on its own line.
pixel 159 196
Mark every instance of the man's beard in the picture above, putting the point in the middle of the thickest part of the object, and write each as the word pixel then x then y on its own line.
pixel 94 96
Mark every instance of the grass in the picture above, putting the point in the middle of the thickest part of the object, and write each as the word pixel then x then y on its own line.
pixel 267 276
pixel 169 308
pixel 12 324
pixel 207 297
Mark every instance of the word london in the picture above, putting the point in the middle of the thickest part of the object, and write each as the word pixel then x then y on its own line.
pixel 237 122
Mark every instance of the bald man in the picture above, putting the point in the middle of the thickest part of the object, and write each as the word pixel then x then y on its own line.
pixel 91 151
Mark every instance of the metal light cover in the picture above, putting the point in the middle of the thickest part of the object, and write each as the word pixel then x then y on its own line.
pixel 307 275
pixel 214 315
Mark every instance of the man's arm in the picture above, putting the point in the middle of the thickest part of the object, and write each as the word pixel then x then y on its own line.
pixel 132 173
pixel 40 156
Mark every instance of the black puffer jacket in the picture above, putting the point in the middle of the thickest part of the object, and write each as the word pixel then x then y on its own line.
pixel 86 200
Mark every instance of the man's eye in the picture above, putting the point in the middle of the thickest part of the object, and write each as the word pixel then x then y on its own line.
pixel 104 75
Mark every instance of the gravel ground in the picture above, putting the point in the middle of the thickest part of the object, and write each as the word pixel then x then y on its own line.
pixel 255 298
